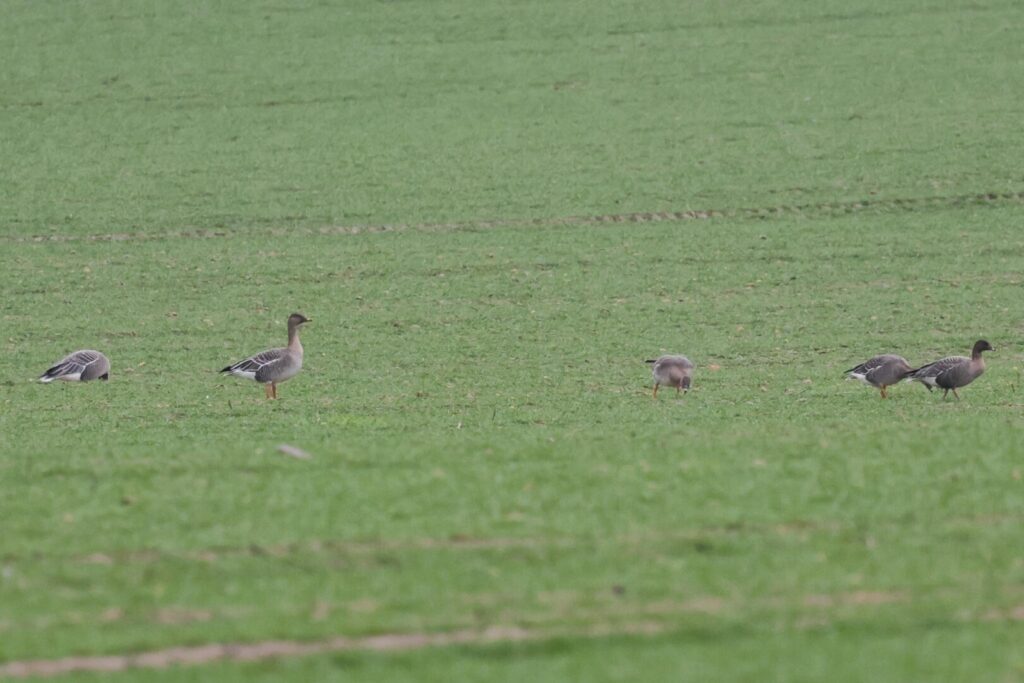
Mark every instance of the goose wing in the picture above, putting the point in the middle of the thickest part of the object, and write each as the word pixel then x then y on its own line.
pixel 250 366
pixel 71 366
pixel 884 369
pixel 867 366
pixel 933 374
pixel 939 367
pixel 672 361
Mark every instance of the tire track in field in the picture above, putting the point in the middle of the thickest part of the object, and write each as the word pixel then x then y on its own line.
pixel 815 611
pixel 258 651
pixel 455 543
pixel 698 536
pixel 811 210
pixel 646 619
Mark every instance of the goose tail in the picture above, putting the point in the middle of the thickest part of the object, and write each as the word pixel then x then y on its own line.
pixel 52 373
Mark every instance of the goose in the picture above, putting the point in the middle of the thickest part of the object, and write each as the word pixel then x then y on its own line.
pixel 881 371
pixel 79 366
pixel 952 372
pixel 274 366
pixel 673 371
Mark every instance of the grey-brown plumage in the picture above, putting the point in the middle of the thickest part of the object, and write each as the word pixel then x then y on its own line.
pixel 672 371
pixel 881 371
pixel 274 366
pixel 952 372
pixel 79 366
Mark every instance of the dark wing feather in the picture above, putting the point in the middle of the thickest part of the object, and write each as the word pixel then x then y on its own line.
pixel 60 369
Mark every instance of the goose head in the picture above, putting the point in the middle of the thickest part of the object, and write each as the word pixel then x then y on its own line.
pixel 979 346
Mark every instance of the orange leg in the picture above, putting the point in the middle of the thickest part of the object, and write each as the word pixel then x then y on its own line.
pixel 945 393
pixel 266 390
pixel 884 395
pixel 655 391
pixel 956 394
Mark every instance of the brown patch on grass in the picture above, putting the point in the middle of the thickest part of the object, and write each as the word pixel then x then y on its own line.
pixel 873 597
pixel 321 610
pixel 363 606
pixel 112 614
pixel 855 598
pixel 181 615
pixel 704 604
pixel 294 451
pixel 1008 614
pixel 558 598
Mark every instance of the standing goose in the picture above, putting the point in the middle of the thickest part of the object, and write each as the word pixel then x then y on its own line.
pixel 673 371
pixel 80 366
pixel 881 371
pixel 272 367
pixel 952 372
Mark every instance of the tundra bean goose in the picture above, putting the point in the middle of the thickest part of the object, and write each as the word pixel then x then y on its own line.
pixel 952 372
pixel 881 371
pixel 272 367
pixel 672 371
pixel 80 366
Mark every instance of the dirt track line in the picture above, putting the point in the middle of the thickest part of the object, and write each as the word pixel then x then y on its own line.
pixel 198 655
pixel 821 209
pixel 459 543
pixel 273 649
pixel 647 619
pixel 453 543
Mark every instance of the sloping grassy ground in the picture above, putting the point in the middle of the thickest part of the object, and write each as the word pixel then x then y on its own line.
pixel 155 116
pixel 486 451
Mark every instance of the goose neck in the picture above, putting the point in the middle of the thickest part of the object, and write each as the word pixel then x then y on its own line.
pixel 293 339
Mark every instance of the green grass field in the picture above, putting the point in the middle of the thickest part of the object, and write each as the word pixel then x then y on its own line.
pixel 494 212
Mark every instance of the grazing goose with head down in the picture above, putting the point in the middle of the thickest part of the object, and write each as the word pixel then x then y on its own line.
pixel 673 371
pixel 952 372
pixel 272 367
pixel 80 366
pixel 881 371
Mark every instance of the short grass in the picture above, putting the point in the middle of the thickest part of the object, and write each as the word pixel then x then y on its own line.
pixel 486 451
